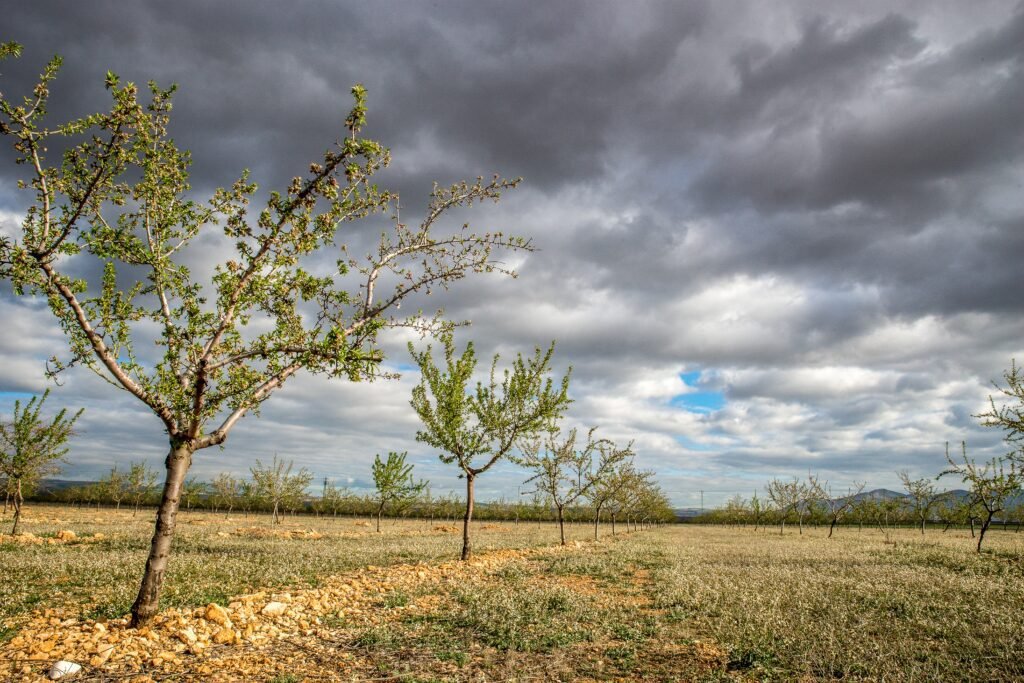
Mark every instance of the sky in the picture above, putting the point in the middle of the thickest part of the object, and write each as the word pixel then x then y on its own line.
pixel 773 238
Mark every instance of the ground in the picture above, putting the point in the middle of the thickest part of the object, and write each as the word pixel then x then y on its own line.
pixel 330 599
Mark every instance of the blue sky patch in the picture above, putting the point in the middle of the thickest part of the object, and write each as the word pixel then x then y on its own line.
pixel 697 401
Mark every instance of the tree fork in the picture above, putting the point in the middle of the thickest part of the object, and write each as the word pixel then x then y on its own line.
pixel 147 603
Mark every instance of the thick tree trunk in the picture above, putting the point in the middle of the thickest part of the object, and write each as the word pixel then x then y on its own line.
pixel 832 527
pixel 466 549
pixel 922 525
pixel 148 601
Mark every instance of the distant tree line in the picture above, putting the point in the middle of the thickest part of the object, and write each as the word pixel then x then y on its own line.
pixel 626 497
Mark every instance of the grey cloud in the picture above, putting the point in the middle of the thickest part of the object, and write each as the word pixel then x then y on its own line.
pixel 755 191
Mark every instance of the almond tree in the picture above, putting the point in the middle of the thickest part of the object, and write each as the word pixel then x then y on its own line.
pixel 922 495
pixel 565 473
pixel 1009 417
pixel 115 487
pixel 394 482
pixel 225 489
pixel 276 486
pixel 787 497
pixel 31 447
pixel 992 484
pixel 609 486
pixel 139 483
pixel 474 430
pixel 835 508
pixel 202 357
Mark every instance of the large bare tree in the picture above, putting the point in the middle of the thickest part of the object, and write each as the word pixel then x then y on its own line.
pixel 119 202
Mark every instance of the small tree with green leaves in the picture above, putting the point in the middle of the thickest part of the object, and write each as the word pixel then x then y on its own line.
pixel 394 482
pixel 474 430
pixel 202 357
pixel 192 490
pixel 1009 416
pixel 140 482
pixel 275 485
pixel 992 484
pixel 31 448
pixel 922 496
pixel 115 487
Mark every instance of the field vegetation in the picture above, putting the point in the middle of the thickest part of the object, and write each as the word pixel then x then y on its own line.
pixel 672 602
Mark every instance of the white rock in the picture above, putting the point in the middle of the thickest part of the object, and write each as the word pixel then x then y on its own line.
pixel 63 669
pixel 274 609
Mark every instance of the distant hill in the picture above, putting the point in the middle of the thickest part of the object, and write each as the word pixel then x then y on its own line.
pixel 55 485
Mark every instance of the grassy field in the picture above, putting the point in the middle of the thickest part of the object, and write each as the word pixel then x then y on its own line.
pixel 673 603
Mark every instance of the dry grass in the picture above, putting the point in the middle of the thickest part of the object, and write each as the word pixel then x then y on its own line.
pixel 854 606
pixel 215 558
pixel 679 603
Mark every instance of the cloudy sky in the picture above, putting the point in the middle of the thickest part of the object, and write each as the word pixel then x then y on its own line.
pixel 773 237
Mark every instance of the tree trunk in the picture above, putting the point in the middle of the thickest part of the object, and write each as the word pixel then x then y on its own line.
pixel 561 524
pixel 597 520
pixel 984 528
pixel 380 511
pixel 18 500
pixel 148 601
pixel 972 527
pixel 613 524
pixel 832 528
pixel 922 525
pixel 276 519
pixel 466 549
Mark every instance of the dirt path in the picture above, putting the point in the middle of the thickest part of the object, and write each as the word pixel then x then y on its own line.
pixel 320 633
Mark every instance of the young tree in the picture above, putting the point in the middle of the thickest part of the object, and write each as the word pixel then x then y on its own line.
pixel 115 487
pixel 491 421
pixel 191 491
pixel 120 199
pixel 758 511
pixel 608 487
pixel 1009 417
pixel 565 473
pixel 139 483
pixel 787 497
pixel 276 486
pixel 394 482
pixel 922 496
pixel 835 508
pixel 225 489
pixel 992 484
pixel 31 448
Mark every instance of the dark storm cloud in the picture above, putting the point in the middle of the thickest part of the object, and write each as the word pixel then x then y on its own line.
pixel 818 206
